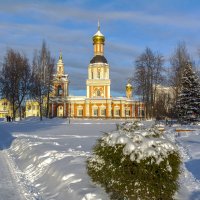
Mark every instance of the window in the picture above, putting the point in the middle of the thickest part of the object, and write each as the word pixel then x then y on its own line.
pixel 103 112
pixel 59 90
pixel 98 74
pixel 92 74
pixel 142 113
pixel 29 107
pixel 80 112
pixel 95 112
pixel 98 93
pixel 117 112
pixel 33 107
pixel 127 113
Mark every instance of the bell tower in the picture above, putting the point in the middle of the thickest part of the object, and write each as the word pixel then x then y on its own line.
pixel 98 82
pixel 61 80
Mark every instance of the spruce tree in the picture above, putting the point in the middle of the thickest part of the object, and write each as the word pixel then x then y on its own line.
pixel 188 102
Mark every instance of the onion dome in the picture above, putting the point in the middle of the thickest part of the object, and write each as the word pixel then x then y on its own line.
pixel 129 86
pixel 98 36
pixel 129 90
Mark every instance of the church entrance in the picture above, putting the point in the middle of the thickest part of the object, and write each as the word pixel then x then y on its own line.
pixel 60 111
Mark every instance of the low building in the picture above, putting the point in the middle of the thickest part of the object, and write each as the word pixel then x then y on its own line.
pixel 32 109
pixel 5 108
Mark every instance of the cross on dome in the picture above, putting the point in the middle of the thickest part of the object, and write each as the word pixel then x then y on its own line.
pixel 98 25
pixel 60 56
pixel 98 33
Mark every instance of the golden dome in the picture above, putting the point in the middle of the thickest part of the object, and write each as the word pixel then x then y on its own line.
pixel 129 86
pixel 98 36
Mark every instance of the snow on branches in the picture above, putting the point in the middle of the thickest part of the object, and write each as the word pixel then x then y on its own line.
pixel 135 162
pixel 188 103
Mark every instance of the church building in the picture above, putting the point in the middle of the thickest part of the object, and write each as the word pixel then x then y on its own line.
pixel 98 102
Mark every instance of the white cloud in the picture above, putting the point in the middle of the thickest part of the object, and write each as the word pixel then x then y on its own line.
pixel 57 12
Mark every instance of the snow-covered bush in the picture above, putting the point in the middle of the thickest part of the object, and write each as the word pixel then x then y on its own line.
pixel 130 126
pixel 134 165
pixel 138 127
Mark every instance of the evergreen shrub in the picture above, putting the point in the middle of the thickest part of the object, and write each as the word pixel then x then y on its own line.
pixel 132 165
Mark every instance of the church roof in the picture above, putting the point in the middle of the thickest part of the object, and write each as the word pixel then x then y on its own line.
pixel 98 59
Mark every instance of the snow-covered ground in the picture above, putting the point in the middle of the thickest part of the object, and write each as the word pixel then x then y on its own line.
pixel 189 147
pixel 47 159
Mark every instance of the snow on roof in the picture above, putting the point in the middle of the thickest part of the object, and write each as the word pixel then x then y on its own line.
pixel 98 33
pixel 76 97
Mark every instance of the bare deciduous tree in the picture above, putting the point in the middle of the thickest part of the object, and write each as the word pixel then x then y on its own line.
pixel 15 79
pixel 42 78
pixel 163 104
pixel 178 61
pixel 148 74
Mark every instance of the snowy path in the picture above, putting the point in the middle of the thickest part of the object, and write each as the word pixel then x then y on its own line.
pixel 47 160
pixel 8 185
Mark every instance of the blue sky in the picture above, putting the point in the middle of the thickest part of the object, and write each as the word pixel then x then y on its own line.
pixel 128 25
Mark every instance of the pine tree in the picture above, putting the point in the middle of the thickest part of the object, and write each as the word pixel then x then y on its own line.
pixel 188 102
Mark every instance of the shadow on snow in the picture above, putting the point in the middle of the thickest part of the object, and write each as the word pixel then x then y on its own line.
pixel 195 195
pixel 193 167
pixel 28 125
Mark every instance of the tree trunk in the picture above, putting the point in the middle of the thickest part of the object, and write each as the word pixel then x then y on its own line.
pixel 47 108
pixel 40 111
pixel 13 108
pixel 20 113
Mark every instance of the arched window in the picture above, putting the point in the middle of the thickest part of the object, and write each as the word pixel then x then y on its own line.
pixel 95 112
pixel 80 112
pixel 92 74
pixel 98 93
pixel 117 111
pixel 103 112
pixel 59 90
pixel 99 74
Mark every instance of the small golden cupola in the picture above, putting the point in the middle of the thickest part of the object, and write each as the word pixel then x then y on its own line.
pixel 98 42
pixel 129 90
pixel 60 66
